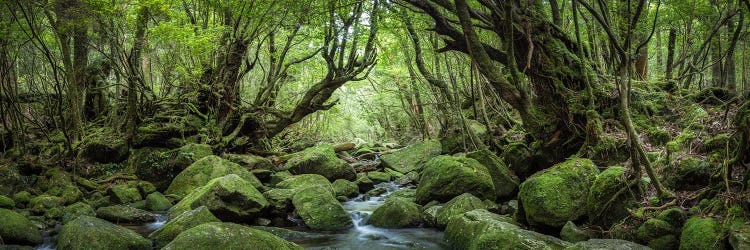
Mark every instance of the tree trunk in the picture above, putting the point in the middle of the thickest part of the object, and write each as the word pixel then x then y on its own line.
pixel 670 53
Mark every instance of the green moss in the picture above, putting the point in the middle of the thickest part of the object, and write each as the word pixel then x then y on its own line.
pixel 87 232
pixel 690 173
pixel 518 157
pixel 719 143
pixel 74 211
pixel 222 235
pixel 365 183
pixel 206 169
pixel 279 177
pixel 378 177
pixel 230 198
pixel 320 160
pixel 702 233
pixel 457 206
pixel 157 202
pixel 658 136
pixel 654 228
pixel 6 202
pixel 505 181
pixel 179 224
pixel 674 216
pixel 445 177
pixel 396 213
pixel 680 141
pixel 665 242
pixel 345 188
pixel 405 193
pixel 122 194
pixel 250 161
pixel 411 158
pixel 304 181
pixel 22 197
pixel 558 194
pixel 126 214
pixel 159 165
pixel 280 200
pixel 571 233
pixel 42 203
pixel 607 244
pixel 609 197
pixel 320 210
pixel 479 229
pixel 610 150
pixel 17 229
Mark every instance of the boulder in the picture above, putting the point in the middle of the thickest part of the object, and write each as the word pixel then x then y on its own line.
pixel 17 229
pixel 179 224
pixel 320 210
pixel 6 202
pixel 607 244
pixel 250 162
pixel 202 171
pixel 557 195
pixel 411 158
pixel 22 197
pixel 364 183
pixel 505 181
pixel 571 233
pixel 229 198
pixel 87 232
pixel 379 177
pixel 42 203
pixel 480 229
pixel 602 206
pixel 345 188
pixel 160 166
pixel 445 177
pixel 739 237
pixel 396 213
pixel 518 157
pixel 702 233
pixel 280 200
pixel 122 194
pixel 320 160
pixel 691 173
pixel 124 214
pixel 458 206
pixel 74 211
pixel 304 181
pixel 157 202
pixel 653 229
pixel 105 147
pixel 223 235
pixel 404 193
pixel 408 178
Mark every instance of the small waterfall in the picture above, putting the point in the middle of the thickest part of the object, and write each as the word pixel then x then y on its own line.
pixel 161 219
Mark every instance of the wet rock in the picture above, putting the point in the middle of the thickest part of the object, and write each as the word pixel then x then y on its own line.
pixel 396 213
pixel 412 157
pixel 458 206
pixel 480 229
pixel 202 171
pixel 87 232
pixel 607 244
pixel 320 160
pixel 702 233
pixel 445 177
pixel 364 183
pixel 345 188
pixel 505 181
pixel 179 224
pixel 223 235
pixel 379 177
pixel 320 210
pixel 17 229
pixel 124 214
pixel 230 198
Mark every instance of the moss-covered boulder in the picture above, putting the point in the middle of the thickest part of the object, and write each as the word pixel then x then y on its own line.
pixel 345 188
pixel 320 160
pixel 396 213
pixel 379 177
pixel 320 210
pixel 610 150
pixel 179 224
pixel 364 183
pixel 411 158
pixel 250 162
pixel 445 177
pixel 658 136
pixel 223 235
pixel 674 216
pixel 87 232
pixel 74 211
pixel 160 166
pixel 42 203
pixel 571 233
pixel 280 200
pixel 557 194
pixel 690 173
pixel 22 197
pixel 122 194
pixel 480 229
pixel 518 157
pixel 229 197
pixel 505 181
pixel 202 171
pixel 70 194
pixel 105 147
pixel 702 233
pixel 6 202
pixel 607 244
pixel 124 214
pixel 665 242
pixel 408 178
pixel 610 196
pixel 157 202
pixel 739 237
pixel 304 181
pixel 653 229
pixel 17 229
pixel 404 193
pixel 457 206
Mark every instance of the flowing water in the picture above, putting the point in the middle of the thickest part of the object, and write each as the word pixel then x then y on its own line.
pixel 363 236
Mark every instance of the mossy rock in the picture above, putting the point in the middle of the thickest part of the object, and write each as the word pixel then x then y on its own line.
pixel 105 147
pixel 739 237
pixel 54 180
pixel 690 173
pixel 123 194
pixel 76 210
pixel 70 194
pixel 694 117
pixel 609 197
pixel 280 200
pixel 571 233
pixel 42 203
pixel 179 224
pixel 558 194
pixel 304 181
pixel 411 158
pixel 320 210
pixel 124 214
pixel 223 235
pixel 505 181
pixel 230 198
pixel 379 177
pixel 457 206
pixel 607 244
pixel 158 131
pixel 159 166
pixel 408 178
pixel 682 140
pixel 6 202
pixel 610 150
pixel 658 136
pixel 702 233
pixel 86 232
pixel 345 188
pixel 480 229
pixel 654 228
pixel 250 162
pixel 22 197
pixel 364 183
pixel 674 216
pixel 144 187
pixel 404 193
pixel 445 177
pixel 320 160
pixel 396 213
pixel 277 177
pixel 718 143
pixel 17 229
pixel 429 215
pixel 666 242
pixel 157 202
pixel 517 156
pixel 202 171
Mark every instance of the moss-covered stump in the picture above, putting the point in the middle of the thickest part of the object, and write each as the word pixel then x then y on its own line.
pixel 280 201
pixel 124 214
pixel 379 177
pixel 320 160
pixel 457 206
pixel 179 224
pixel 610 196
pixel 445 177
pixel 74 211
pixel 505 181
pixel 250 162
pixel 17 229
pixel 702 233
pixel 396 213
pixel 87 232
pixel 304 181
pixel 320 210
pixel 157 202
pixel 223 235
pixel 480 229
pixel 345 188
pixel 518 157
pixel 607 244
pixel 202 171
pixel 411 158
pixel 690 173
pixel 557 194
pixel 122 194
pixel 6 202
pixel 160 166
pixel 230 198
